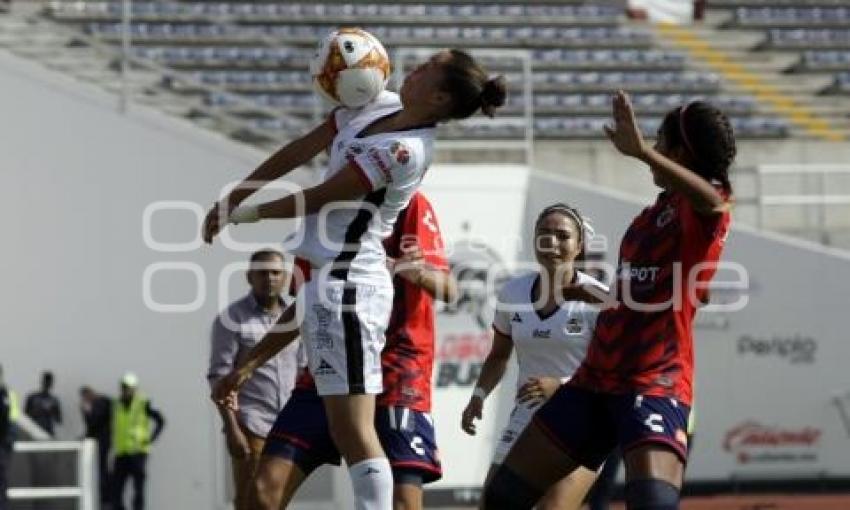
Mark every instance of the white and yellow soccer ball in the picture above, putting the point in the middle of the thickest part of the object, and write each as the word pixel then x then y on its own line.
pixel 350 67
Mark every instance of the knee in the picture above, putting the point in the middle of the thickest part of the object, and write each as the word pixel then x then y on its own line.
pixel 651 494
pixel 267 493
pixel 509 491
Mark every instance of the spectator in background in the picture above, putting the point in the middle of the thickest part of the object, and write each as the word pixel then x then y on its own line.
pixel 132 414
pixel 43 407
pixel 97 416
pixel 8 415
pixel 234 333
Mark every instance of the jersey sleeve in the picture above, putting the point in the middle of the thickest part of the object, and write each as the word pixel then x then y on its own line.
pixel 342 116
pixel 422 229
pixel 502 315
pixel 388 162
pixel 702 228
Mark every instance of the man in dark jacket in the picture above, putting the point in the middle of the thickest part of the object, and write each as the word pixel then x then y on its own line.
pixel 97 415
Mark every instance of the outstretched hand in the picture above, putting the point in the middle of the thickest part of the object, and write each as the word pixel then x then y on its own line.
pixel 226 390
pixel 625 133
pixel 212 224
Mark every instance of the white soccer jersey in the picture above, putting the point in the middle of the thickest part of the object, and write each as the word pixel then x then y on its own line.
pixel 551 346
pixel 392 166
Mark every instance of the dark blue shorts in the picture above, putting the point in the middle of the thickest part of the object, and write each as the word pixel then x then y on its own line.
pixel 588 425
pixel 300 434
pixel 408 439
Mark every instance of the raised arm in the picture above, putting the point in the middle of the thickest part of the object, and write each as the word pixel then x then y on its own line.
pixel 290 157
pixel 627 138
pixel 347 184
pixel 438 282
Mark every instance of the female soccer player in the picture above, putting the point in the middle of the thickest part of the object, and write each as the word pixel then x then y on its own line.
pixel 550 336
pixel 634 387
pixel 300 441
pixel 378 156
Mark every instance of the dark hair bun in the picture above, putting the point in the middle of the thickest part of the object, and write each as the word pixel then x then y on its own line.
pixel 493 95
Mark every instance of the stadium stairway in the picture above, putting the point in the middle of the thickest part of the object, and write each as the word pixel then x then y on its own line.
pixel 761 74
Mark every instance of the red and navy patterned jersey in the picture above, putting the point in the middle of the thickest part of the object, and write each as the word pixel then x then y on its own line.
pixel 645 343
pixel 408 357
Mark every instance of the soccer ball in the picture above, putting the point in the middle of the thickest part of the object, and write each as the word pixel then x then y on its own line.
pixel 350 67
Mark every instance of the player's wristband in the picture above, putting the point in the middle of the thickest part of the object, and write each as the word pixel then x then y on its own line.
pixel 245 214
pixel 480 393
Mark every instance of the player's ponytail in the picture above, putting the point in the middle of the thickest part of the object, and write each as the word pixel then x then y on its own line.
pixel 493 95
pixel 470 86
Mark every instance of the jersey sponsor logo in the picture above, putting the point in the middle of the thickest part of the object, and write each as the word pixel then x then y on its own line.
pixel 516 318
pixel 639 274
pixel 542 333
pixel 384 166
pixel 324 368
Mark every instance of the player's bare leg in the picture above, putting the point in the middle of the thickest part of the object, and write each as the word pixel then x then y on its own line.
pixel 407 497
pixel 276 482
pixel 654 475
pixel 351 420
pixel 526 475
pixel 568 493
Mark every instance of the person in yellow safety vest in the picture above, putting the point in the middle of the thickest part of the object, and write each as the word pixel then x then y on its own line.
pixel 9 412
pixel 132 414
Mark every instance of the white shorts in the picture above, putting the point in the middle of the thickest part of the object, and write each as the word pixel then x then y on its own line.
pixel 520 418
pixel 343 334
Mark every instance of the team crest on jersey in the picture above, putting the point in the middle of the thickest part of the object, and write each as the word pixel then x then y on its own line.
pixel 400 153
pixel 574 326
pixel 666 216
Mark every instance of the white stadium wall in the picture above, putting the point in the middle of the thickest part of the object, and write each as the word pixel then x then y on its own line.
pixel 78 179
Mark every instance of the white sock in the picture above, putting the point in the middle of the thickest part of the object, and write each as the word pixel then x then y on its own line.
pixel 372 480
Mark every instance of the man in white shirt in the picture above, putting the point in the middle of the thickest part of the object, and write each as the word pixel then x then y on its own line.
pixel 235 331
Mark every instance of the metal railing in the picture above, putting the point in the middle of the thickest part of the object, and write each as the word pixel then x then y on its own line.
pixel 822 198
pixel 85 491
